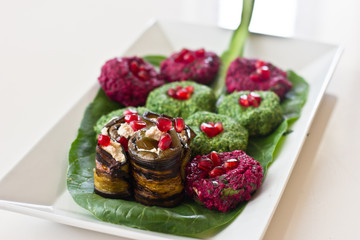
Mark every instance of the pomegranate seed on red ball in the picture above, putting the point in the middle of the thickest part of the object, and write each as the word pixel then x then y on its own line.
pixel 219 127
pixel 164 141
pixel 180 57
pixel 129 111
pixel 132 117
pixel 124 142
pixel 190 89
pixel 205 164
pixel 143 75
pixel 103 140
pixel 217 171
pixel 215 158
pixel 264 72
pixel 164 124
pixel 231 164
pixel 179 124
pixel 188 58
pixel 200 52
pixel 243 101
pixel 137 125
pixel 134 68
pixel 259 64
pixel 255 77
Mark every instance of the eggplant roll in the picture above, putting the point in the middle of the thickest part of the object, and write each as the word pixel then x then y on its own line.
pixel 111 174
pixel 159 174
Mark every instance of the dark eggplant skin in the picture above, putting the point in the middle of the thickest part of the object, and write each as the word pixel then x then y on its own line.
pixel 158 179
pixel 111 177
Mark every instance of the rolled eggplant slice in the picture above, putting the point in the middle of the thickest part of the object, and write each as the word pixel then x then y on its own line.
pixel 158 175
pixel 111 177
pixel 111 174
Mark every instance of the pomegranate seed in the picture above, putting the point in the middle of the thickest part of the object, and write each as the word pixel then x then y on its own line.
pixel 259 64
pixel 188 58
pixel 264 72
pixel 219 127
pixel 143 75
pixel 231 164
pixel 179 124
pixel 209 130
pixel 132 117
pixel 178 88
pixel 137 125
pixel 256 96
pixel 164 124
pixel 190 89
pixel 164 141
pixel 171 92
pixel 124 143
pixel 103 140
pixel 129 111
pixel 243 100
pixel 180 56
pixel 255 77
pixel 184 51
pixel 182 94
pixel 134 67
pixel 142 68
pixel 200 52
pixel 217 171
pixel 215 158
pixel 206 164
pixel 254 99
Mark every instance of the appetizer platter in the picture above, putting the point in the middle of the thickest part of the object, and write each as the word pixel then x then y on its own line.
pixel 164 39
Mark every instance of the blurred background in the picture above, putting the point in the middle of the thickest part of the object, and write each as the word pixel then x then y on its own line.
pixel 51 53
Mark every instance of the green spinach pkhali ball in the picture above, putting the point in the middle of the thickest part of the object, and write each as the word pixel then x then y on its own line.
pixel 116 113
pixel 258 120
pixel 232 137
pixel 181 99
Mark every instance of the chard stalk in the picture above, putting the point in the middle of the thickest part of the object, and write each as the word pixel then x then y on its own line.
pixel 236 46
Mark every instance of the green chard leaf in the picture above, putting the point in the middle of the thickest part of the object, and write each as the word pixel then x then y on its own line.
pixel 154 59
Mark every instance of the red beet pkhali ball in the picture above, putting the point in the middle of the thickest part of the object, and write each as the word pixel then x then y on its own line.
pixel 254 74
pixel 129 80
pixel 198 66
pixel 220 181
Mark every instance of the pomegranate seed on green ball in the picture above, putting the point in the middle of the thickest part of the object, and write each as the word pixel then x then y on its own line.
pixel 181 99
pixel 232 137
pixel 258 117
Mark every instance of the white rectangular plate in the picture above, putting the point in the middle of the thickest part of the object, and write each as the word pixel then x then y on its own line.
pixel 44 195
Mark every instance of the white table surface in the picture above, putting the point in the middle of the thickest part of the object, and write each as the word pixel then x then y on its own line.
pixel 51 52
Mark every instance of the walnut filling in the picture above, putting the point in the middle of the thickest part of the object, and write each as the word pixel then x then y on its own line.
pixel 153 133
pixel 114 148
pixel 125 130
